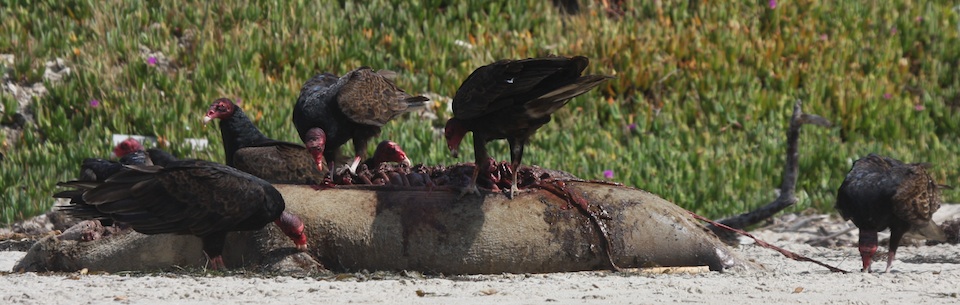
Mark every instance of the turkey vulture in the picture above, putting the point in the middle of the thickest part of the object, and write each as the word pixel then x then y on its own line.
pixel 195 197
pixel 130 152
pixel 372 168
pixel 352 107
pixel 387 151
pixel 160 157
pixel 882 192
pixel 511 99
pixel 248 150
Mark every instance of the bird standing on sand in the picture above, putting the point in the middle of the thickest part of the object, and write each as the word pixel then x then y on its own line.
pixel 511 99
pixel 881 192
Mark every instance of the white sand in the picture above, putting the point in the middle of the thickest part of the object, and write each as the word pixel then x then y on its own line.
pixel 921 275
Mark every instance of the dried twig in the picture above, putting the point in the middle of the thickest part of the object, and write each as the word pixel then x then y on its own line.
pixel 790 173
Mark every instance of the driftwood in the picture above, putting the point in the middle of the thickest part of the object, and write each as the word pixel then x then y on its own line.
pixel 429 230
pixel 788 187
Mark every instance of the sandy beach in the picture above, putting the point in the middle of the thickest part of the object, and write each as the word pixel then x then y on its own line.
pixel 921 275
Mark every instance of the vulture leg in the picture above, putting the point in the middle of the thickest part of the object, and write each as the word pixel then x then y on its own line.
pixel 482 161
pixel 867 246
pixel 471 188
pixel 360 148
pixel 516 153
pixel 213 248
pixel 896 234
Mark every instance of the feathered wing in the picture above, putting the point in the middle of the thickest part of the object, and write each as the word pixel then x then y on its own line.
pixel 916 200
pixel 508 83
pixel 95 170
pixel 279 162
pixel 552 101
pixel 367 97
pixel 311 108
pixel 187 197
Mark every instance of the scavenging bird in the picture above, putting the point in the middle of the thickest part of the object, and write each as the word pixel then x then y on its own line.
pixel 511 99
pixel 352 107
pixel 881 192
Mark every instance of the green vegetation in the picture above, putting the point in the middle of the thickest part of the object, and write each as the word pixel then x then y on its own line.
pixel 708 87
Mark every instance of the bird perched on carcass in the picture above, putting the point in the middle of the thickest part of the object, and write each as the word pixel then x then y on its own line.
pixel 387 151
pixel 249 150
pixel 194 197
pixel 511 99
pixel 130 152
pixel 373 168
pixel 881 192
pixel 350 108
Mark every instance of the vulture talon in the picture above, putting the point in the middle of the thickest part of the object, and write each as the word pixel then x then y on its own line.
pixel 470 189
pixel 513 191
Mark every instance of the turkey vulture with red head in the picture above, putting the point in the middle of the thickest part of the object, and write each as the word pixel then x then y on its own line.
pixel 511 99
pixel 352 107
pixel 130 152
pixel 387 151
pixel 881 192
pixel 249 150
pixel 194 197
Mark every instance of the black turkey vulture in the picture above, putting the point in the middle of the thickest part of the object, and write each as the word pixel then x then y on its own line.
pixel 160 157
pixel 249 150
pixel 511 99
pixel 882 192
pixel 130 152
pixel 194 197
pixel 352 107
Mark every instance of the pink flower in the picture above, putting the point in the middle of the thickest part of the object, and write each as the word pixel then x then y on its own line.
pixel 887 96
pixel 772 4
pixel 152 61
pixel 632 127
pixel 893 30
pixel 94 103
pixel 918 107
pixel 608 174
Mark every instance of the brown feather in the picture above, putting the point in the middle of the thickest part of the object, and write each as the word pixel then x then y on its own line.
pixel 370 98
